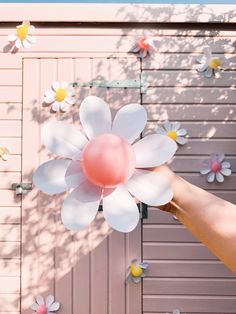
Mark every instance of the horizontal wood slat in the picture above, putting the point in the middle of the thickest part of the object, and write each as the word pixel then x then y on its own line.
pixel 179 112
pixel 12 143
pixel 189 286
pixel 208 269
pixel 197 95
pixel 9 199
pixel 161 233
pixel 176 61
pixel 10 94
pixel 187 78
pixel 176 251
pixel 10 128
pixel 10 249
pixel 7 178
pixel 10 111
pixel 9 267
pixel 10 232
pixel 189 304
pixel 12 164
pixel 10 77
pixel 10 302
pixel 10 214
pixel 202 129
pixel 10 285
pixel 10 63
pixel 123 44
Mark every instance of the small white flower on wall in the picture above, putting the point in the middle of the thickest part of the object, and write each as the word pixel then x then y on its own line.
pixel 174 131
pixel 216 168
pixel 137 270
pixel 209 65
pixel 60 97
pixel 143 46
pixel 105 165
pixel 48 307
pixel 4 153
pixel 22 37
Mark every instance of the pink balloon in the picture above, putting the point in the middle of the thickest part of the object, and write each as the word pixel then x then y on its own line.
pixel 42 309
pixel 108 160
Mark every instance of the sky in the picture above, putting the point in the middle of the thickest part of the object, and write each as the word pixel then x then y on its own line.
pixel 124 1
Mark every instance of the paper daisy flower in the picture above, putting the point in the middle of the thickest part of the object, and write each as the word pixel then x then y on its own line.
pixel 105 165
pixel 209 64
pixel 61 96
pixel 4 153
pixel 143 47
pixel 174 131
pixel 216 168
pixel 48 307
pixel 23 37
pixel 137 271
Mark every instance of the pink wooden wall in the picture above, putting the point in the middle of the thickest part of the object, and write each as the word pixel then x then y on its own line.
pixel 86 271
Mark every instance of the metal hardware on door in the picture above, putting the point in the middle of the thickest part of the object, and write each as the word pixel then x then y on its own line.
pixel 21 188
pixel 135 83
pixel 143 210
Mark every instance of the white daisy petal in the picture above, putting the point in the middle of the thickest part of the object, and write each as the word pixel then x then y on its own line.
pixel 219 177
pixel 208 73
pixel 80 207
pixel 225 164
pixel 50 176
pixel 211 177
pixel 64 85
pixel 31 39
pixel 205 170
pixel 95 116
pixel 129 122
pixel 56 106
pixel 63 139
pixel 71 92
pixel 70 100
pixel 226 171
pixel 181 140
pixel 202 59
pixel 49 300
pixel 56 86
pixel 154 150
pixel 167 125
pixel 39 299
pixel 12 37
pixel 135 48
pixel 202 67
pixel 176 126
pixel 74 175
pixel 161 130
pixel 217 73
pixel 34 306
pixel 48 100
pixel 18 44
pixel 64 106
pixel 181 132
pixel 54 307
pixel 123 218
pixel 50 94
pixel 26 44
pixel 150 187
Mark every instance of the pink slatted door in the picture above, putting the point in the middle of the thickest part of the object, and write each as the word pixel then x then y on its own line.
pixel 85 270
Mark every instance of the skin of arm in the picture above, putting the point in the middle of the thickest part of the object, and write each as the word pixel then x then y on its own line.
pixel 212 220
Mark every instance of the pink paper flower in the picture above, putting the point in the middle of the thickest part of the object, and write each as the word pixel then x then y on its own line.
pixel 48 307
pixel 143 47
pixel 216 168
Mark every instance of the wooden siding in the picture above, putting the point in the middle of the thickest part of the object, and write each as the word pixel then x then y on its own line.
pixel 183 273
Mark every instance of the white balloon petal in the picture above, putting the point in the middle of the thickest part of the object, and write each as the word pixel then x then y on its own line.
pixel 39 299
pixel 154 150
pixel 34 306
pixel 129 122
pixel 225 164
pixel 95 116
pixel 219 177
pixel 54 307
pixel 226 171
pixel 205 170
pixel 50 176
pixel 80 207
pixel 150 187
pixel 63 139
pixel 49 300
pixel 74 175
pixel 120 210
pixel 211 177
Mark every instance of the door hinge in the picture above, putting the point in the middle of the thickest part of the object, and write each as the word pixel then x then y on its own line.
pixel 22 188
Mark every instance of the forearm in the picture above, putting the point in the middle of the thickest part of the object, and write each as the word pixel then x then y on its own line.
pixel 211 219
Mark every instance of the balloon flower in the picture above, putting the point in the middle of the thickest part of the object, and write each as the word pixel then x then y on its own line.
pixel 105 165
pixel 40 306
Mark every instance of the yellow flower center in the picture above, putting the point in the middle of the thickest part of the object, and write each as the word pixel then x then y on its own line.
pixel 136 270
pixel 61 94
pixel 215 63
pixel 2 151
pixel 173 135
pixel 22 31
